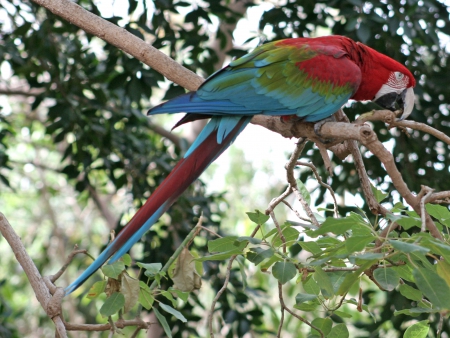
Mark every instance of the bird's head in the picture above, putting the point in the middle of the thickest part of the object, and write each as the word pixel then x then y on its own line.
pixel 396 93
pixel 386 82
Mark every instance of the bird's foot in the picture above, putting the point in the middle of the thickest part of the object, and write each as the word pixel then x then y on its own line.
pixel 318 127
pixel 289 118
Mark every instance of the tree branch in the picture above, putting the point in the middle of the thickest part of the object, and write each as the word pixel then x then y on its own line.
pixel 124 40
pixel 37 282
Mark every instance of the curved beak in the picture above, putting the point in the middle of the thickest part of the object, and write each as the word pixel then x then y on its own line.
pixel 394 101
pixel 407 102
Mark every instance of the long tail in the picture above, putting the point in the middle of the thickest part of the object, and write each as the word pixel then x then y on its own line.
pixel 217 135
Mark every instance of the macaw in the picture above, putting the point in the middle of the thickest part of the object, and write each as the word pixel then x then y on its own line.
pixel 305 78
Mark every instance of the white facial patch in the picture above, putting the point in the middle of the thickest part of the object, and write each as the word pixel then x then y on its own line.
pixel 397 82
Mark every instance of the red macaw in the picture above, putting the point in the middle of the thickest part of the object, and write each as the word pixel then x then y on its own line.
pixel 310 78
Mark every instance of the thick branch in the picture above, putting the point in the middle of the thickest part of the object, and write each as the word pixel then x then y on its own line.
pixel 124 40
pixel 37 282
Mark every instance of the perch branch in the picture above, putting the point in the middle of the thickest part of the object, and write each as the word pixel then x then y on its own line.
pixel 389 118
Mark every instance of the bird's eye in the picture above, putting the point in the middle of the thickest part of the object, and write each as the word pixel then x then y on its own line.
pixel 399 76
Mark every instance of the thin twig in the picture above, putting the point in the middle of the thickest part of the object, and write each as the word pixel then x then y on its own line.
pixel 278 200
pixel 210 231
pixel 440 324
pixel 280 326
pixel 280 232
pixel 338 268
pixel 293 183
pixel 224 287
pixel 439 197
pixel 383 235
pixel 295 211
pixel 221 291
pixel 165 133
pixel 423 214
pixel 194 232
pixel 322 183
pixel 283 305
pixel 121 323
pixel 75 251
pixel 352 146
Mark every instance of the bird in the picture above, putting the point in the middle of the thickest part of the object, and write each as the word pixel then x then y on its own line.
pixel 303 78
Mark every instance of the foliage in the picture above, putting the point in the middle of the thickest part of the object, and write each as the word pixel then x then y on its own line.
pixel 80 133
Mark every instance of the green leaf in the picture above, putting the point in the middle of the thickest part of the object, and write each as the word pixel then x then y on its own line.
pixel 303 191
pixel 311 287
pixel 338 226
pixel 162 320
pixel 307 306
pixel 433 287
pixel 407 247
pixel 145 298
pixel 290 235
pixel 249 239
pixel 258 217
pixel 241 260
pixel 172 311
pixel 113 270
pixel 126 259
pixel 180 294
pixel 417 330
pixel 358 243
pixel 438 248
pixel 284 271
pixel 342 314
pixel 410 292
pixel 268 263
pixel 304 297
pixel 312 247
pixel 407 222
pixel 438 211
pixel 368 256
pixel 405 272
pixel 323 280
pixel 220 256
pixel 339 331
pixel 387 278
pixel 225 244
pixel 415 311
pixel 443 270
pixel 379 195
pixel 323 324
pixel 363 32
pixel 257 255
pixel 351 278
pixel 96 289
pixel 169 297
pixel 337 278
pixel 151 268
pixel 112 304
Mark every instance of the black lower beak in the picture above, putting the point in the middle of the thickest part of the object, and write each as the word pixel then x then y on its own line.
pixel 391 101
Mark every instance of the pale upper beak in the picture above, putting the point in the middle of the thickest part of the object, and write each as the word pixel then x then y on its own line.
pixel 407 97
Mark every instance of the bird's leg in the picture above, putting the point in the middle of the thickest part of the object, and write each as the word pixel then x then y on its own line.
pixel 318 125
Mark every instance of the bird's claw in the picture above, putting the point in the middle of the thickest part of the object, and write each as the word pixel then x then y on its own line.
pixel 318 126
